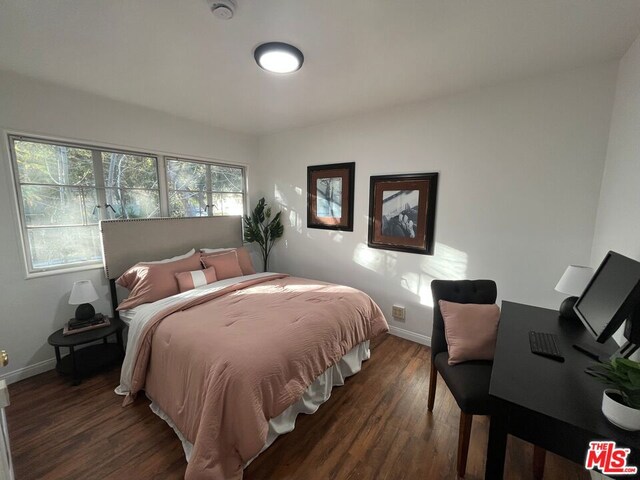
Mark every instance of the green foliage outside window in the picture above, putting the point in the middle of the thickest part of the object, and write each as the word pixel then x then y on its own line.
pixel 66 190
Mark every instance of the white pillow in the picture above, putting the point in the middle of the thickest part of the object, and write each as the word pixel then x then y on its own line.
pixel 214 250
pixel 178 257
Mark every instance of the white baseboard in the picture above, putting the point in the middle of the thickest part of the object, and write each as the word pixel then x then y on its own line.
pixel 29 371
pixel 409 335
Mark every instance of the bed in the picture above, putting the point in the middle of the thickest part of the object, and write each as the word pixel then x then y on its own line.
pixel 229 365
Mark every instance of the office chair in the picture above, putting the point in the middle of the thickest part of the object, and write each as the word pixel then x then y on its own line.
pixel 468 381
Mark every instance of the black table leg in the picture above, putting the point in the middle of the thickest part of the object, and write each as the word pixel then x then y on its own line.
pixel 496 448
pixel 120 341
pixel 74 367
pixel 58 360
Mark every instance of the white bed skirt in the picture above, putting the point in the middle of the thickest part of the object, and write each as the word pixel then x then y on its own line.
pixel 317 393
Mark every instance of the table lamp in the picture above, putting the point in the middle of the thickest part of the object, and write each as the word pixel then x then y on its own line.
pixel 573 282
pixel 82 294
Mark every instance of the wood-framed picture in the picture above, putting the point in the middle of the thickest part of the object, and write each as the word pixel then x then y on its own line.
pixel 330 196
pixel 402 212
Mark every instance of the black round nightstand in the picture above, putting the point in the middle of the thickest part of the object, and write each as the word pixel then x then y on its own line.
pixel 87 360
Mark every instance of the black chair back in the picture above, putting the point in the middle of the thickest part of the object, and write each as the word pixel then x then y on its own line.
pixel 458 291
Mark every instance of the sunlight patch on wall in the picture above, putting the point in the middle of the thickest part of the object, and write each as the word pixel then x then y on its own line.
pixel 379 261
pixel 420 285
pixel 280 196
pixel 295 221
pixel 447 263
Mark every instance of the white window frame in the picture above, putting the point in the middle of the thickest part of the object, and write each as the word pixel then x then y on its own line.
pixel 211 192
pixel 97 148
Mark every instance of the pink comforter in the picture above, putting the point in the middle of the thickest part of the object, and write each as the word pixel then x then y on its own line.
pixel 222 368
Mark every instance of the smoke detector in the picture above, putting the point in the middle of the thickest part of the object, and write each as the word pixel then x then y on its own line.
pixel 223 9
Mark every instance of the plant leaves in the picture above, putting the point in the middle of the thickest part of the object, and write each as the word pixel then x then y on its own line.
pixel 623 375
pixel 264 234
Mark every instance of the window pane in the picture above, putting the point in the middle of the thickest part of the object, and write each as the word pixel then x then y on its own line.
pixel 53 164
pixel 228 204
pixel 189 176
pixel 226 179
pixel 132 203
pixel 129 171
pixel 187 204
pixel 43 205
pixel 64 245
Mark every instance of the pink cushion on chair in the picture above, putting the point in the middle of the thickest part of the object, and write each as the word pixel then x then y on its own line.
pixel 150 282
pixel 226 264
pixel 471 330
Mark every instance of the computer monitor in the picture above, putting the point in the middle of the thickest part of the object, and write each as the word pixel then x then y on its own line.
pixel 611 297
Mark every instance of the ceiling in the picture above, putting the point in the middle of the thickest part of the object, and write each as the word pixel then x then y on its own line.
pixel 360 55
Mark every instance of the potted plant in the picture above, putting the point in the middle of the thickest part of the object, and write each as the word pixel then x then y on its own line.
pixel 621 402
pixel 260 228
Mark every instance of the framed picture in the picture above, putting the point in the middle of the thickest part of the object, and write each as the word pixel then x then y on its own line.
pixel 330 196
pixel 402 212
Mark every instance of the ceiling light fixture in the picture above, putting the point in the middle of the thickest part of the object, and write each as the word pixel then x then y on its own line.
pixel 278 57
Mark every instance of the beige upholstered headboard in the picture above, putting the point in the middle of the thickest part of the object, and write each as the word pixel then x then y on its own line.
pixel 127 242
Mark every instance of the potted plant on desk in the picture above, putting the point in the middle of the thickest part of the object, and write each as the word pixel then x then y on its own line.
pixel 621 402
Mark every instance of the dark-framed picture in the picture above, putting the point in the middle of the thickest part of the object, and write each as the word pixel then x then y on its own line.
pixel 402 212
pixel 330 196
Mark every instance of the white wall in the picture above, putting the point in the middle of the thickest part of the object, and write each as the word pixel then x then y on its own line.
pixel 32 309
pixel 520 171
pixel 618 220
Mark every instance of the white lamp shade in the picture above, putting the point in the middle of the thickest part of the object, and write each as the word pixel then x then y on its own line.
pixel 574 280
pixel 82 292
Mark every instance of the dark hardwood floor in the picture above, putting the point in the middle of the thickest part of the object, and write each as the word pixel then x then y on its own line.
pixel 375 427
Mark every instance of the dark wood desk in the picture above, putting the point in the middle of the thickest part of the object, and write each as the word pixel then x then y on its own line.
pixel 551 404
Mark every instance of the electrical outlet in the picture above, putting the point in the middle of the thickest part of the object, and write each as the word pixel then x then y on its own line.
pixel 398 312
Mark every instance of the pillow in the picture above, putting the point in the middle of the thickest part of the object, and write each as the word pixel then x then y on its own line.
pixel 196 278
pixel 226 264
pixel 471 330
pixel 176 258
pixel 149 282
pixel 215 250
pixel 244 257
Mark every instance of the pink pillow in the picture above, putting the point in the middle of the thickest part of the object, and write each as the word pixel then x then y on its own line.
pixel 226 264
pixel 196 278
pixel 244 258
pixel 471 330
pixel 149 282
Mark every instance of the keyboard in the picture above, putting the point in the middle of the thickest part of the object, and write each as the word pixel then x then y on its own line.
pixel 545 344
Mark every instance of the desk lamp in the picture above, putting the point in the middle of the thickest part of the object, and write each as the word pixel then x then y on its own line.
pixel 82 294
pixel 573 282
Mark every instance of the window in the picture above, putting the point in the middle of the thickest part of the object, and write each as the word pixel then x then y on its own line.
pixel 64 190
pixel 130 185
pixel 204 189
